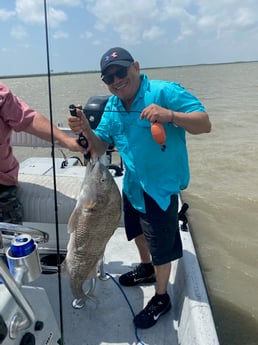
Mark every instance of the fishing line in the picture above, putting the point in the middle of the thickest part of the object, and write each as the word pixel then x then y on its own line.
pixel 54 176
pixel 130 306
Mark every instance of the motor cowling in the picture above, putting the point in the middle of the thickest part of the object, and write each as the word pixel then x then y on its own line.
pixel 94 109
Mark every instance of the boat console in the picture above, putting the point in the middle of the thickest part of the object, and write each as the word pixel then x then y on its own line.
pixel 22 322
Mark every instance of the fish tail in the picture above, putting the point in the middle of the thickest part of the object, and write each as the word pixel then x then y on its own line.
pixel 79 293
pixel 77 290
pixel 80 303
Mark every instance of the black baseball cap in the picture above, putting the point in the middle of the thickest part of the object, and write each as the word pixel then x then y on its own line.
pixel 115 56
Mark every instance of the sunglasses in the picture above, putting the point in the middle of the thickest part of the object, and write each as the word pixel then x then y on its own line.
pixel 120 73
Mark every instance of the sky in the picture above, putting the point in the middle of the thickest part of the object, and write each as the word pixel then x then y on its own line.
pixel 158 33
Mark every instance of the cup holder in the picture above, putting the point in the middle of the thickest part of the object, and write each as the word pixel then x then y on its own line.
pixel 49 263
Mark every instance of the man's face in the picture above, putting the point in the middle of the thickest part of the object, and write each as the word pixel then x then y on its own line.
pixel 124 87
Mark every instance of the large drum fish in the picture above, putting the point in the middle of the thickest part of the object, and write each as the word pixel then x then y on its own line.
pixel 92 223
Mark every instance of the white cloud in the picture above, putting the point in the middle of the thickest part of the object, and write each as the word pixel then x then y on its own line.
pixel 5 15
pixel 223 16
pixel 127 18
pixel 187 31
pixel 206 22
pixel 72 3
pixel 86 35
pixel 96 42
pixel 32 11
pixel 245 18
pixel 55 17
pixel 137 20
pixel 18 32
pixel 59 34
pixel 155 32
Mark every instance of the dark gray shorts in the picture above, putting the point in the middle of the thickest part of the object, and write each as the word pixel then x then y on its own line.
pixel 159 227
pixel 11 210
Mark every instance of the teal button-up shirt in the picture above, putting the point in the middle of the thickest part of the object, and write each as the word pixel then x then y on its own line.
pixel 159 173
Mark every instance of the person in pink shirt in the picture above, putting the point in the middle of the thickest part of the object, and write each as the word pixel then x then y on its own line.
pixel 16 115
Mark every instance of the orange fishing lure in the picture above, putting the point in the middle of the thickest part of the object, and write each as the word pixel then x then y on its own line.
pixel 159 134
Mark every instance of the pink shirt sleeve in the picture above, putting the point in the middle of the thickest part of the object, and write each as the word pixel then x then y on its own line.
pixel 14 115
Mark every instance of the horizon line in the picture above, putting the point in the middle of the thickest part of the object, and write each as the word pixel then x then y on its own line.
pixel 98 71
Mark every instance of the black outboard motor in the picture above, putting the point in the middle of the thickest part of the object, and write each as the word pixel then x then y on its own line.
pixel 93 111
pixel 94 108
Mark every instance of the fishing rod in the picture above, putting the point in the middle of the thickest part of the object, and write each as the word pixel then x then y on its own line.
pixel 157 129
pixel 54 176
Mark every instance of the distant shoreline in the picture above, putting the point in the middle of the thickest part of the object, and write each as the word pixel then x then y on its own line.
pixel 43 74
pixel 97 71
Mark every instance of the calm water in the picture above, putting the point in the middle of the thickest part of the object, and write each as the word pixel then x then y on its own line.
pixel 223 194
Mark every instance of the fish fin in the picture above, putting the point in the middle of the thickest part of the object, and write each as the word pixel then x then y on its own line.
pixel 73 221
pixel 74 217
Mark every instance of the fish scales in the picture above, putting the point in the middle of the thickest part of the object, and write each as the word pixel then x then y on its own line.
pixel 92 223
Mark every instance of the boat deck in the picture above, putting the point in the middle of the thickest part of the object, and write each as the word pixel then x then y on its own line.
pixel 109 320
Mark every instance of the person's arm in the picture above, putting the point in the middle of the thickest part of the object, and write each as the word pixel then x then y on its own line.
pixel 80 124
pixel 40 126
pixel 195 122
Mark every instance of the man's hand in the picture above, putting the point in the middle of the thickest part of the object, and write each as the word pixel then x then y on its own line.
pixel 155 113
pixel 73 145
pixel 78 123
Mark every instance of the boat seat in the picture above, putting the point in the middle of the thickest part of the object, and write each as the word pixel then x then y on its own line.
pixel 36 186
pixel 36 193
pixel 24 139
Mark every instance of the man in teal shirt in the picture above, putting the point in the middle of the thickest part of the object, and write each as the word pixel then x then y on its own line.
pixel 154 174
